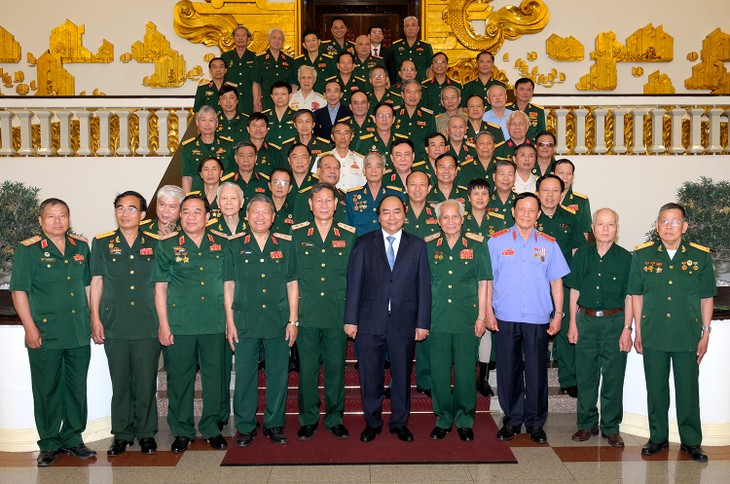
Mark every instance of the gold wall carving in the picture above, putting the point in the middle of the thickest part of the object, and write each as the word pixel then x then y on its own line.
pixel 609 129
pixel 10 50
pixel 546 80
pixel 637 71
pixel 648 44
pixel 53 79
pixel 66 41
pixel 711 73
pixel 564 49
pixel 169 64
pixel 658 83
pixel 465 70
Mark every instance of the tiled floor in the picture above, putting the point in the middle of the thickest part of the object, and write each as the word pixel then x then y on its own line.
pixel 562 461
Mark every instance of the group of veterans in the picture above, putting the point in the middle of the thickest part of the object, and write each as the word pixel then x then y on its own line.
pixel 271 244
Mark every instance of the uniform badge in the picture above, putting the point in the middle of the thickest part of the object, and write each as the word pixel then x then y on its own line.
pixel 540 253
pixel 466 254
pixel 115 251
pixel 431 221
pixel 145 251
pixel 438 255
pixel 339 244
pixel 47 254
pixel 573 207
pixel 508 252
pixel 215 247
pixel 277 254
pixel 79 257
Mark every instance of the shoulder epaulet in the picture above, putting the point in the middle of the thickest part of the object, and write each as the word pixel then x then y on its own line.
pixel 263 175
pixel 232 84
pixel 306 189
pixel 235 236
pixel 505 158
pixel 501 232
pixel 470 144
pixel 496 215
pixel 349 228
pixel 567 209
pixel 330 78
pixel 494 125
pixel 32 240
pixel 299 57
pixel 287 141
pixel 281 236
pixel 462 187
pixel 226 138
pixel 219 233
pixel 359 78
pixel 396 189
pixel 473 236
pixel 300 225
pixel 226 177
pixel 194 192
pixel 188 141
pixel 467 163
pixel 427 111
pixel 106 234
pixel 580 195
pixel 398 135
pixel 277 147
pixel 699 247
pixel 398 41
pixel 345 119
pixel 173 234
pixel 78 237
pixel 396 94
pixel 426 81
pixel 538 106
pixel 418 163
pixel 353 189
pixel 267 111
pixel 509 105
pixel 644 245
pixel 499 144
pixel 546 236
pixel 440 115
pixel 212 221
pixel 145 222
pixel 203 82
pixel 151 234
pixel 324 140
pixel 367 136
pixel 377 57
pixel 431 237
pixel 327 56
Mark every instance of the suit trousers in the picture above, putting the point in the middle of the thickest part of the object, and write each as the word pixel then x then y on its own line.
pixel 329 345
pixel 522 401
pixel 58 379
pixel 181 360
pixel 687 394
pixel 133 366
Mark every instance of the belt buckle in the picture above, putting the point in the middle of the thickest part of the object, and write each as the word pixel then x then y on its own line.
pixel 599 314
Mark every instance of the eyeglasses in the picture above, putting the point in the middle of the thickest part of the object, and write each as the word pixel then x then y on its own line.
pixel 439 61
pixel 384 115
pixel 121 209
pixel 671 223
pixel 407 69
pixel 281 183
pixel 545 144
pixel 377 76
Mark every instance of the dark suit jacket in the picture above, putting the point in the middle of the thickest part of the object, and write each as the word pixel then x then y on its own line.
pixel 322 122
pixel 370 284
pixel 387 54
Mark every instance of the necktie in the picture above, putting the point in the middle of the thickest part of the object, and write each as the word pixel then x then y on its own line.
pixel 375 51
pixel 390 253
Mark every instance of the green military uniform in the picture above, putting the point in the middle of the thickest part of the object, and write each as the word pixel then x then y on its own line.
pixel 431 89
pixel 537 118
pixel 475 169
pixel 494 129
pixel 298 199
pixel 317 146
pixel 372 142
pixel 332 48
pixel 602 282
pixel 221 226
pixel 194 150
pixel 234 128
pixel 507 149
pixel 491 223
pixel 563 226
pixel 478 88
pixel 284 219
pixel 261 311
pixel 392 180
pixel 368 127
pixel 361 69
pixel 207 95
pixel 390 98
pixel 455 276
pixel 415 128
pixel 323 266
pixel 671 327
pixel 353 84
pixel 362 207
pixel 196 314
pixel 421 53
pixel 459 193
pixel 580 204
pixel 271 70
pixel 127 312
pixel 282 129
pixel 537 171
pixel 268 157
pixel 324 64
pixel 442 121
pixel 56 287
pixel 153 225
pixel 466 154
pixel 242 71
pixel 258 183
pixel 496 205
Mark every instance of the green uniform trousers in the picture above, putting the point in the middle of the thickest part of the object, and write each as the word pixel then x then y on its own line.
pixel 246 397
pixel 563 351
pixel 600 357
pixel 329 344
pixel 687 394
pixel 58 380
pixel 423 365
pixel 460 405
pixel 181 360
pixel 227 367
pixel 133 366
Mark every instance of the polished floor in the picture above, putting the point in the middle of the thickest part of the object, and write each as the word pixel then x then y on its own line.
pixel 562 460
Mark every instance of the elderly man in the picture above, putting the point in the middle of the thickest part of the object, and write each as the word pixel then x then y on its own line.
pixel 496 111
pixel 362 203
pixel 412 120
pixel 503 198
pixel 434 86
pixel 524 159
pixel 339 42
pixel 463 152
pixel 406 72
pixel 265 313
pixel 322 62
pixel 412 48
pixel 460 268
pixel 475 124
pixel 268 155
pixel 364 60
pixel 49 286
pixel 545 143
pixel 485 79
pixel 205 145
pixel 524 319
pixel 517 123
pixel 351 164
pixel 329 114
pixel 188 276
pixel 483 164
pixel 361 122
pixel 445 187
pixel 123 319
pixel 379 89
pixel 402 157
pixel 601 319
pixel 380 140
pixel 524 89
pixel 672 285
pixel 274 65
pixel 349 82
pixel 279 114
pixel 323 248
pixel 243 71
pixel 231 123
pixel 450 104
pixel 578 202
pixel 169 198
pixel 306 97
pixel 304 124
pixel 250 180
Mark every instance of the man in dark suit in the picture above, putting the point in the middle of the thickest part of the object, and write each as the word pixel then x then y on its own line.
pixel 377 48
pixel 387 309
pixel 326 117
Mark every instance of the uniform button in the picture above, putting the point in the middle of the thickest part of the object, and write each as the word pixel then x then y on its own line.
pixel 321 294
pixel 131 303
pixel 131 272
pixel 449 301
pixel 49 266
pixel 598 287
pixel 263 290
pixel 669 298
pixel 131 288
pixel 200 254
pixel 671 267
pixel 201 269
pixel 451 257
pixel 263 276
pixel 131 256
pixel 67 277
pixel 263 306
pixel 450 286
pixel 73 311
pixel 322 279
pixel 323 264
pixel 669 315
pixel 202 283
pixel 599 274
pixel 261 260
pixel 323 251
pixel 72 294
pixel 65 262
pixel 451 272
pixel 45 320
pixel 670 282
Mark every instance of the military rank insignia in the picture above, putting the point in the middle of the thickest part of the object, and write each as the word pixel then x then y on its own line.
pixel 145 251
pixel 466 254
pixel 339 244
pixel 277 254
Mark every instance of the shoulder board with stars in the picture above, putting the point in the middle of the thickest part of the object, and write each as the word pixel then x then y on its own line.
pixel 398 41
pixel 462 187
pixel 580 195
pixel 699 247
pixel 239 234
pixel 145 222
pixel 287 141
pixel 227 177
pixel 494 125
pixel 427 111
pixel 277 147
pixel 431 237
pixel 304 190
pixel 168 236
pixel 219 233
pixel 226 138
pixel 323 140
pixel 343 120
pixel 212 221
pixel 330 78
pixel 300 225
pixel 427 81
pixel 343 226
pixel 189 140
pixel 151 234
pixel 644 245
pixel 567 209
pixel 545 236
pixel 263 175
pixel 106 234
pixel 394 188
pixel 32 240
pixel 496 215
pixel 353 189
pixel 501 232
pixel 232 84
pixel 78 237
pixel 467 163
pixel 473 236
pixel 267 112
pixel 367 136
pixel 499 144
pixel 359 78
pixel 398 135
pixel 418 163
pixel 510 106
pixel 281 236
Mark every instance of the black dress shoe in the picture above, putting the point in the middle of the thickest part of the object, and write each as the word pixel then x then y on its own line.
pixel 181 443
pixel 386 393
pixel 571 391
pixel 507 432
pixel 245 439
pixel 465 433
pixel 695 451
pixel 439 433
pixel 46 458
pixel 402 433
pixel 306 432
pixel 118 447
pixel 80 452
pixel 425 391
pixel 339 431
pixel 537 435
pixel 218 442
pixel 652 448
pixel 369 434
pixel 148 445
pixel 276 435
pixel 486 390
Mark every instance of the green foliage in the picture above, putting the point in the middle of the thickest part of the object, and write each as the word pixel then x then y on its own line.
pixel 18 218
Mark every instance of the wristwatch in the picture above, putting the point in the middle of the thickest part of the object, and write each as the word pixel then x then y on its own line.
pixel 293 323
pixel 706 329
pixel 629 327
